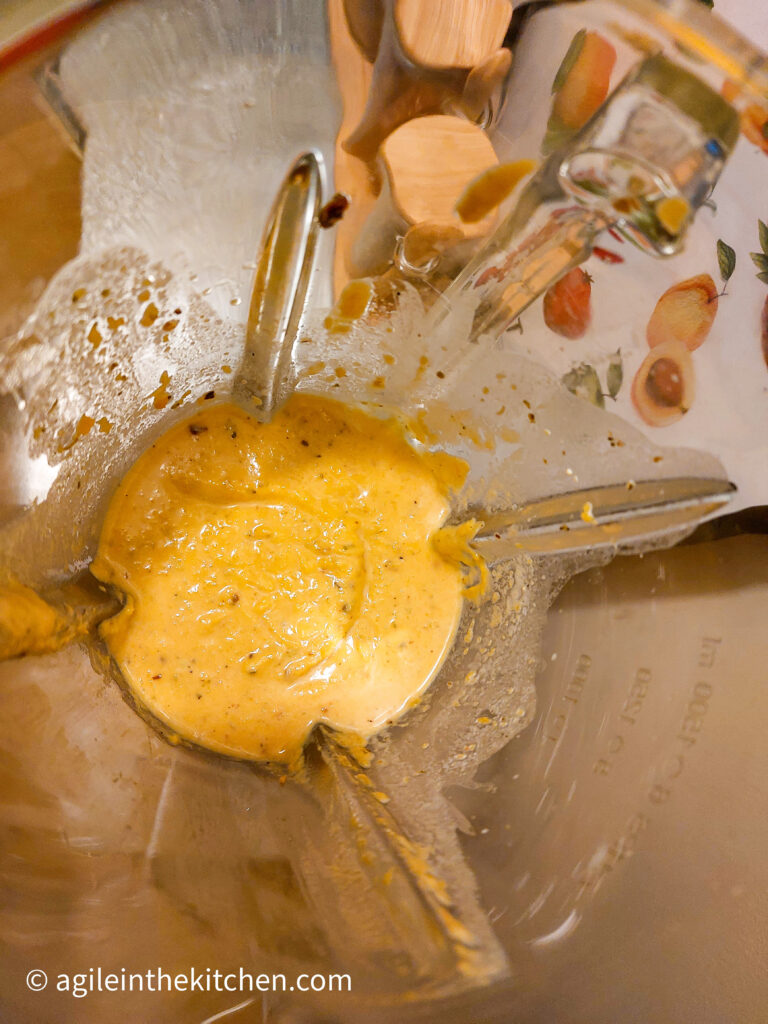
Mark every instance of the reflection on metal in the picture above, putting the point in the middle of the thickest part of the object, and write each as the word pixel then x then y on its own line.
pixel 280 288
pixel 49 82
pixel 663 136
pixel 692 26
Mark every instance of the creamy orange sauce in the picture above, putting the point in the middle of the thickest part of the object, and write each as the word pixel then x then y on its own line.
pixel 28 624
pixel 280 575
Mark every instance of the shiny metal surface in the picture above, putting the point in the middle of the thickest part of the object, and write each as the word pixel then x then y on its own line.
pixel 278 299
pixel 613 516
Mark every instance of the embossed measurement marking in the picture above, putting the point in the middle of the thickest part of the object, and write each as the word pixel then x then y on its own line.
pixel 624 845
pixel 691 724
pixel 630 709
pixel 570 697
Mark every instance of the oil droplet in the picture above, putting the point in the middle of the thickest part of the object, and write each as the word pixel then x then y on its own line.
pixel 84 424
pixel 94 336
pixel 352 304
pixel 151 313
pixel 313 369
pixel 160 396
pixel 180 401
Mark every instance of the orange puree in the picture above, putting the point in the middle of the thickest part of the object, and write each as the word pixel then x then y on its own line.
pixel 283 574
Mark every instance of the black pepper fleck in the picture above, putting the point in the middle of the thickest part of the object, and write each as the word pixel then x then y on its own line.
pixel 333 210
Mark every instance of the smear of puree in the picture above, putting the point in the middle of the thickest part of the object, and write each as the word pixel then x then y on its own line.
pixel 279 575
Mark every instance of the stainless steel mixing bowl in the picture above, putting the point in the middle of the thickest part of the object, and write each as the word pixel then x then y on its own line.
pixel 586 784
